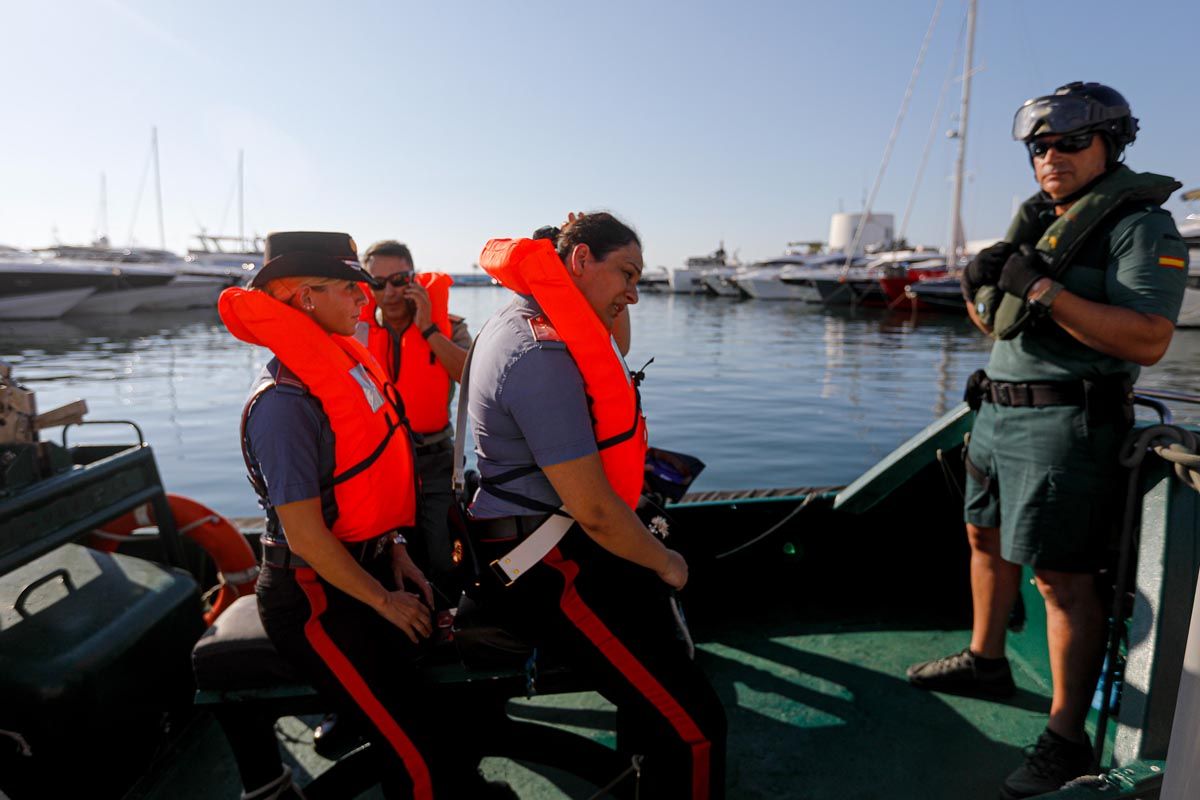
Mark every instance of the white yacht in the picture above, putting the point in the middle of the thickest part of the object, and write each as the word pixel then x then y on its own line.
pixel 134 279
pixel 687 279
pixel 786 277
pixel 654 280
pixel 1189 315
pixel 718 281
pixel 30 291
pixel 234 257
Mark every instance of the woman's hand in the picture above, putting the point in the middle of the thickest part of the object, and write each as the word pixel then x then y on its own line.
pixel 675 573
pixel 406 611
pixel 404 568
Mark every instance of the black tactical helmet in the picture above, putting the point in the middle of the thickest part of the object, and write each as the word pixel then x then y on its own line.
pixel 1075 108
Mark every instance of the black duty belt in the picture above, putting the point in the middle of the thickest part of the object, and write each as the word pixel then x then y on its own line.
pixel 282 556
pixel 1036 394
pixel 1105 398
pixel 504 529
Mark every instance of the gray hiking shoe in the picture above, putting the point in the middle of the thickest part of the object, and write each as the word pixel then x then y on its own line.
pixel 1049 763
pixel 963 673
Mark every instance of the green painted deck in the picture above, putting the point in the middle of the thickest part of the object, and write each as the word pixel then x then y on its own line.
pixel 816 715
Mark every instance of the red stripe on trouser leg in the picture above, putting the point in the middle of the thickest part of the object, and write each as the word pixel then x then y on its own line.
pixel 353 682
pixel 620 657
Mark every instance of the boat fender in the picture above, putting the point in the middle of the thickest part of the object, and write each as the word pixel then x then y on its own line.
pixel 236 563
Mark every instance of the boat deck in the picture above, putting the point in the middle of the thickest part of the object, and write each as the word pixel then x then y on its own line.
pixel 806 634
pixel 820 714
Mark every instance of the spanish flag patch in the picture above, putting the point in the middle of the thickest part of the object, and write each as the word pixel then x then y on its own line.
pixel 1170 261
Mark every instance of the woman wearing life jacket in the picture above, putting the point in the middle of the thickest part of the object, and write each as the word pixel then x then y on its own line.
pixel 561 445
pixel 328 451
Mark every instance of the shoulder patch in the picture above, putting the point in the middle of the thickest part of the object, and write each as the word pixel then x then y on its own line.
pixel 543 330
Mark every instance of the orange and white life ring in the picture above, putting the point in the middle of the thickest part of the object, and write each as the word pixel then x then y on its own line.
pixel 235 560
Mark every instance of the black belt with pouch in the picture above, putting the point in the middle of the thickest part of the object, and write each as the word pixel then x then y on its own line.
pixel 1106 399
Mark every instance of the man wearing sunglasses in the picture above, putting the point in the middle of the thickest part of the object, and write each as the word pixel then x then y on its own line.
pixel 422 347
pixel 1083 291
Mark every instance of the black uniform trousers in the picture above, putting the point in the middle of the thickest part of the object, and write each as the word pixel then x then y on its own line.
pixel 363 664
pixel 611 620
pixel 435 465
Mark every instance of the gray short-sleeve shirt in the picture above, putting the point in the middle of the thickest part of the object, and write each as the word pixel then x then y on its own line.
pixel 527 406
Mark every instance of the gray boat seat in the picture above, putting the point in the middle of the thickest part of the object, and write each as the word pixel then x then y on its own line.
pixel 235 653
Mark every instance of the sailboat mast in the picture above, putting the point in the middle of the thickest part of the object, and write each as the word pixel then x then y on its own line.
pixel 102 233
pixel 162 236
pixel 957 236
pixel 241 202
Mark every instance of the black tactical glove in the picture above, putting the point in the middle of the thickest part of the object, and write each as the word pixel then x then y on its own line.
pixel 984 269
pixel 1022 270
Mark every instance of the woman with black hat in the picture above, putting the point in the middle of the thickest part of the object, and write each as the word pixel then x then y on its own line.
pixel 326 446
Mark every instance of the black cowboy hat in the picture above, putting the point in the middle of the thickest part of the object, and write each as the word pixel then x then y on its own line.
pixel 313 254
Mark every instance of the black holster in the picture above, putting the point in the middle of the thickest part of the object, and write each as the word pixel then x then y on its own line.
pixel 978 387
pixel 1109 399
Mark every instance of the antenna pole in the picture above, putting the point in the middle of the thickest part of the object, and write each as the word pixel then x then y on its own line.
pixel 241 201
pixel 103 232
pixel 957 237
pixel 162 236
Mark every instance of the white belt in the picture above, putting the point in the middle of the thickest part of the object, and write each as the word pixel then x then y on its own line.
pixel 520 559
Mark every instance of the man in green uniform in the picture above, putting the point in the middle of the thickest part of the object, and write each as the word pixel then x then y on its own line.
pixel 1083 291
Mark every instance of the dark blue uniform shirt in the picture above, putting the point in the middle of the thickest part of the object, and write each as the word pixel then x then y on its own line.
pixel 527 407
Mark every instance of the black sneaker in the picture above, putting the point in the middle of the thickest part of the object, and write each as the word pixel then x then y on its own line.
pixel 1049 763
pixel 964 673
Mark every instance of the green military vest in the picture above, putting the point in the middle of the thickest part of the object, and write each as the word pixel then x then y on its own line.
pixel 1007 315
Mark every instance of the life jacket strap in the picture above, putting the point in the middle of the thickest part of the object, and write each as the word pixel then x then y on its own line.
pixel 522 558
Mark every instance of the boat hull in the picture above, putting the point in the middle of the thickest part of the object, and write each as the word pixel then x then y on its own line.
pixel 43 305
pixel 772 288
pixel 685 281
pixel 186 291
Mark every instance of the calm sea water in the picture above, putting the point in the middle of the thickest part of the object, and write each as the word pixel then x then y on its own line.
pixel 767 394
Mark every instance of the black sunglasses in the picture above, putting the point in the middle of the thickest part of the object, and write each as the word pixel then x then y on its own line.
pixel 1075 143
pixel 397 279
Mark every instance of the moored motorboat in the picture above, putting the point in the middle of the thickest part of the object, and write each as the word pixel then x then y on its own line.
pixel 787 277
pixel 937 294
pixel 718 281
pixel 29 291
pixel 687 279
pixel 896 275
pixel 654 279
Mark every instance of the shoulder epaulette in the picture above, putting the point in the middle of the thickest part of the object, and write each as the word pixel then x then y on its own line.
pixel 543 329
pixel 285 377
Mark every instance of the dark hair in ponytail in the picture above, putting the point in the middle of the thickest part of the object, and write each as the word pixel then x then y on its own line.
pixel 601 232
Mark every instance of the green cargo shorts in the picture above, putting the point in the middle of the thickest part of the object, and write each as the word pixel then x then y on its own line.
pixel 1049 481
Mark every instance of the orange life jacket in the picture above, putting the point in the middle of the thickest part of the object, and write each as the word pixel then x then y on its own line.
pixel 422 380
pixel 373 477
pixel 529 266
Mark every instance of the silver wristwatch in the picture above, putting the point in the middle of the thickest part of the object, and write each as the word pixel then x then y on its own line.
pixel 1043 301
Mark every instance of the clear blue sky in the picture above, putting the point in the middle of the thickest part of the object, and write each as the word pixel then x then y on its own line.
pixel 443 124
